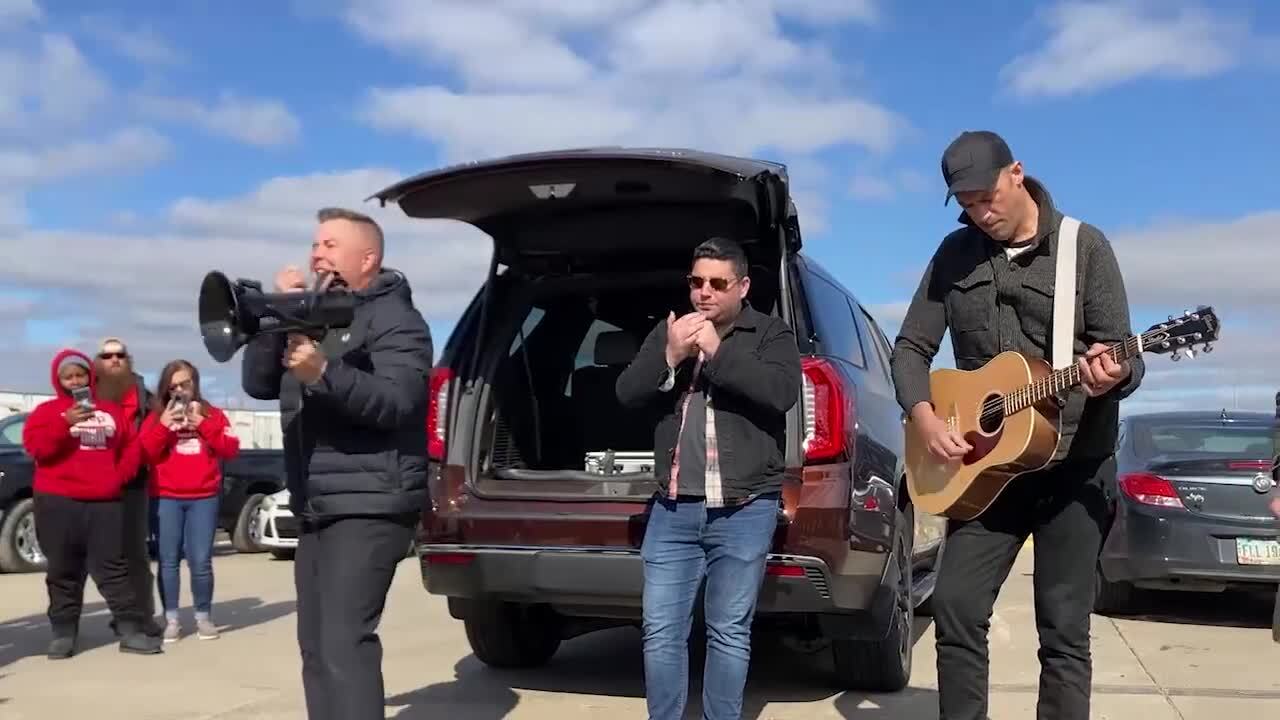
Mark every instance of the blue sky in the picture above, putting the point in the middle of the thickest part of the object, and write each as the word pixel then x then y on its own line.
pixel 141 147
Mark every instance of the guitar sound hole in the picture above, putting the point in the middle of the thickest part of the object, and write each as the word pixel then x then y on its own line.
pixel 991 415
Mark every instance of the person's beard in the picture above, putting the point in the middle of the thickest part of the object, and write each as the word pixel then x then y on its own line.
pixel 114 382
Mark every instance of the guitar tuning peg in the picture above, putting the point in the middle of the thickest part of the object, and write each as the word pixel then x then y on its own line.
pixel 1191 354
pixel 1176 355
pixel 1208 347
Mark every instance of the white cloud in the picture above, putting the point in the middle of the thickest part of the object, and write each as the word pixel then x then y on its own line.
pixel 1174 263
pixel 719 75
pixel 1094 45
pixel 488 45
pixel 47 88
pixel 17 12
pixel 123 151
pixel 821 12
pixel 143 285
pixel 884 187
pixel 140 43
pixel 254 121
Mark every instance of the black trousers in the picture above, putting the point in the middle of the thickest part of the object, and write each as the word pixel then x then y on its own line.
pixel 137 529
pixel 1063 508
pixel 81 539
pixel 343 569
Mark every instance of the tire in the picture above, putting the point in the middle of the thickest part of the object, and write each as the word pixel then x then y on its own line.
pixel 1113 598
pixel 925 607
pixel 244 536
pixel 507 635
pixel 19 549
pixel 884 665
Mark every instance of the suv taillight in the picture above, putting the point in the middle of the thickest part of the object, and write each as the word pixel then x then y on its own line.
pixel 437 411
pixel 1150 489
pixel 828 411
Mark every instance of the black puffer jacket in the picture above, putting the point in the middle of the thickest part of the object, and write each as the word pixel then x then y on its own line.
pixel 355 442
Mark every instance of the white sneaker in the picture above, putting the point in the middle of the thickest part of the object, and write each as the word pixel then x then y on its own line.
pixel 171 631
pixel 206 630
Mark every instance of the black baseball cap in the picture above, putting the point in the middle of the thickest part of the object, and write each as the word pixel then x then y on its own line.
pixel 973 161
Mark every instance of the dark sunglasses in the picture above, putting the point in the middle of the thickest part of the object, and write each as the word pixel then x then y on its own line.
pixel 112 356
pixel 717 283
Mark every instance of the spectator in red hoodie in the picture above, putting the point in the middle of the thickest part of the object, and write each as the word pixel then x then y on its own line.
pixel 184 440
pixel 84 452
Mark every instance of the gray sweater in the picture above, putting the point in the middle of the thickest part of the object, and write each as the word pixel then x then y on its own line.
pixel 992 303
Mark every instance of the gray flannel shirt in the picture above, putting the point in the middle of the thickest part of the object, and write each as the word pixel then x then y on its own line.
pixel 991 303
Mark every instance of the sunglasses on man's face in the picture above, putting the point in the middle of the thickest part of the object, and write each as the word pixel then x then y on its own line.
pixel 718 284
pixel 112 356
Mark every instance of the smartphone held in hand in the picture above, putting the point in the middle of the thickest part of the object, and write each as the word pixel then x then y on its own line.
pixel 83 397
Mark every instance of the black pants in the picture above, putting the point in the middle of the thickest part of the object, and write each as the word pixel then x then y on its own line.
pixel 79 539
pixel 1063 509
pixel 137 530
pixel 343 569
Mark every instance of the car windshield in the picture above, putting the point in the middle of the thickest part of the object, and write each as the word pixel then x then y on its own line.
pixel 11 432
pixel 1250 441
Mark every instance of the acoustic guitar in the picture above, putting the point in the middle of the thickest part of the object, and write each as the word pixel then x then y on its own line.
pixel 1008 410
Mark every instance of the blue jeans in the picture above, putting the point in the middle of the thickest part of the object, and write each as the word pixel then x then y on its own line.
pixel 685 541
pixel 186 528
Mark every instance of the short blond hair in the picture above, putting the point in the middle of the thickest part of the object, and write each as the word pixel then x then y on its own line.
pixel 326 214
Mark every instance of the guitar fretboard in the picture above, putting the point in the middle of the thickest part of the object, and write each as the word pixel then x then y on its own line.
pixel 1069 376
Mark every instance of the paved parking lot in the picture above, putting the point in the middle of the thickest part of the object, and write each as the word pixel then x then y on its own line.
pixel 1203 657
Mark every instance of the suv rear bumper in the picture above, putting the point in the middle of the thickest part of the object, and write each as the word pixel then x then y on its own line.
pixel 609 582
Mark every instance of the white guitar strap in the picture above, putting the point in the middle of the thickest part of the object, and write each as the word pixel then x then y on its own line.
pixel 1064 294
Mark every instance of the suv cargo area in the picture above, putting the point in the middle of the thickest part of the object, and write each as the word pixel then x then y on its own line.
pixel 541 480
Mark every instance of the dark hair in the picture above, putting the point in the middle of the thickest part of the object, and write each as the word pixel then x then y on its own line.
pixel 722 248
pixel 160 399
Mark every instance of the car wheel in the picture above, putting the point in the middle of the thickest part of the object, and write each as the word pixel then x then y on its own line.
pixel 246 537
pixel 507 635
pixel 884 665
pixel 924 608
pixel 19 548
pixel 1112 598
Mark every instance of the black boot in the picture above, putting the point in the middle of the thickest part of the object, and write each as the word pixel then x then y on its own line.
pixel 63 644
pixel 134 640
pixel 150 627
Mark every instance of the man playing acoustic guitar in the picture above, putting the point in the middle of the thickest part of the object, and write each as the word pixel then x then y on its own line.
pixel 991 284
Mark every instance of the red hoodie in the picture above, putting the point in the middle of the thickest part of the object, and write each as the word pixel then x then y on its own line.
pixel 91 460
pixel 186 465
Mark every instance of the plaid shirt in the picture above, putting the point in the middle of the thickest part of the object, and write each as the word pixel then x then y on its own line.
pixel 713 487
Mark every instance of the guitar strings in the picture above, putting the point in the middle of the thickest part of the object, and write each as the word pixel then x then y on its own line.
pixel 1032 393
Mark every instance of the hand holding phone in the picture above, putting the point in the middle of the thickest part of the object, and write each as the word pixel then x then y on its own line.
pixel 83 397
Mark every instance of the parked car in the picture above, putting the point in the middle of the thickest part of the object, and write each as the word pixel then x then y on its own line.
pixel 540 483
pixel 277 526
pixel 247 481
pixel 1190 507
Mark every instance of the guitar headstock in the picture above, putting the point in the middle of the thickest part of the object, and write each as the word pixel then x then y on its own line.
pixel 1182 333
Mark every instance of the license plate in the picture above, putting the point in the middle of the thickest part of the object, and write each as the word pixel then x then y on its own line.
pixel 1257 552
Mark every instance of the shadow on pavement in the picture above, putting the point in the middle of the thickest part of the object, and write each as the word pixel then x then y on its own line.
pixel 610 664
pixel 1225 609
pixel 29 636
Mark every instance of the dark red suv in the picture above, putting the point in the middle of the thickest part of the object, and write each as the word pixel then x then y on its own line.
pixel 540 479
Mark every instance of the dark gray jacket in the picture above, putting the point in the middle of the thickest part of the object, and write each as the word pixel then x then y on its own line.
pixel 355 442
pixel 754 379
pixel 992 304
